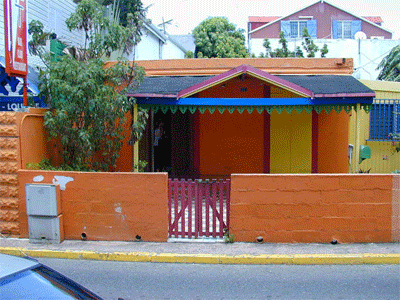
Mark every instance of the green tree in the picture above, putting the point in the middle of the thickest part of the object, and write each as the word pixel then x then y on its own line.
pixel 217 37
pixel 308 44
pixel 87 101
pixel 189 54
pixel 279 52
pixel 390 66
pixel 324 50
pixel 283 51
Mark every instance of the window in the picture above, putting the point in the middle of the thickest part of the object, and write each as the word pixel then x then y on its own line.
pixel 294 29
pixel 384 119
pixel 345 29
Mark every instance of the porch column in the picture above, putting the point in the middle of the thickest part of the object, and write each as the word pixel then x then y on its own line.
pixel 314 141
pixel 136 144
pixel 356 151
pixel 267 142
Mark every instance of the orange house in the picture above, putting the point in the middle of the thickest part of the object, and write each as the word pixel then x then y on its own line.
pixel 215 117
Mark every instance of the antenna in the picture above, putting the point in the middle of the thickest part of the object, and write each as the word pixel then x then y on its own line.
pixel 164 23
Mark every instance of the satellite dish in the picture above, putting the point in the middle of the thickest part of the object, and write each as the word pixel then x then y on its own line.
pixel 360 35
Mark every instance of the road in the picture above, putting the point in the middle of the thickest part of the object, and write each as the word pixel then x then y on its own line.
pixel 128 280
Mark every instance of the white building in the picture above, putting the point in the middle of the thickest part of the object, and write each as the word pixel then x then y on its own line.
pixel 154 45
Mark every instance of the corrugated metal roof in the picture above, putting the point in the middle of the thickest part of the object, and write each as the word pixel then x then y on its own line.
pixel 386 86
pixel 374 19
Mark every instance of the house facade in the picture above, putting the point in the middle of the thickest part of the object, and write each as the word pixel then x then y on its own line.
pixel 346 35
pixel 323 21
pixel 224 116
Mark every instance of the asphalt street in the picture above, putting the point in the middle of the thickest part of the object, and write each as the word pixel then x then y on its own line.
pixel 140 280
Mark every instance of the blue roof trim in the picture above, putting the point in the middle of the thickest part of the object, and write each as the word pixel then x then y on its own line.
pixel 254 101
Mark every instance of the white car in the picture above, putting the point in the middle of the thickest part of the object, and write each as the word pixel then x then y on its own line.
pixel 26 278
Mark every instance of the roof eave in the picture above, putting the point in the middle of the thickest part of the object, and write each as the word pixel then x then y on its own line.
pixel 151 95
pixel 345 95
pixel 153 29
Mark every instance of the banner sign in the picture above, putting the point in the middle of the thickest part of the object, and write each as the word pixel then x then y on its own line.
pixel 15 37
pixel 16 103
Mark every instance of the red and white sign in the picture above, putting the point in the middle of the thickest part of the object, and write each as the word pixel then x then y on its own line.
pixel 15 37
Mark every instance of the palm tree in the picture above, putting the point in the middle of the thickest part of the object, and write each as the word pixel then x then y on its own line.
pixel 390 66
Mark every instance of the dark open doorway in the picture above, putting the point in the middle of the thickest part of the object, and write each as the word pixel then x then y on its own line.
pixel 170 144
pixel 162 142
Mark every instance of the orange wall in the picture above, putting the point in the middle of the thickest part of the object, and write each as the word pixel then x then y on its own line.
pixel 308 208
pixel 317 208
pixel 34 142
pixel 106 206
pixel 206 66
pixel 231 143
pixel 35 145
pixel 333 132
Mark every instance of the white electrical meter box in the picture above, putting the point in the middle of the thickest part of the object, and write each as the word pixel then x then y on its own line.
pixel 46 229
pixel 42 200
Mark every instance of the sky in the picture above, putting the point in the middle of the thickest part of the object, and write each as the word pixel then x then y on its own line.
pixel 187 14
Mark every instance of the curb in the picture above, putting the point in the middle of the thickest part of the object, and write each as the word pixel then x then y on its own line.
pixel 272 259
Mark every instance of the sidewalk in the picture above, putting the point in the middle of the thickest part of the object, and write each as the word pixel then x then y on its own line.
pixel 209 253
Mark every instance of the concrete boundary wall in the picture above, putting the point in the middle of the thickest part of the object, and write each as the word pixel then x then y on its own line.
pixel 315 208
pixel 105 206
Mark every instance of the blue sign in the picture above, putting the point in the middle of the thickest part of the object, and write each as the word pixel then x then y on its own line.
pixel 16 103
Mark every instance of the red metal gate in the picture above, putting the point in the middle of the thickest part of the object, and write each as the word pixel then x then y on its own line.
pixel 198 208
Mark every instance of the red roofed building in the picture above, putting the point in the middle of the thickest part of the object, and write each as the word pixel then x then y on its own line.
pixel 345 34
pixel 323 21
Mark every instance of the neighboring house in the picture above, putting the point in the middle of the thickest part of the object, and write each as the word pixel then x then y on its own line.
pixel 224 116
pixel 52 14
pixel 156 45
pixel 346 34
pixel 186 40
pixel 172 49
pixel 376 129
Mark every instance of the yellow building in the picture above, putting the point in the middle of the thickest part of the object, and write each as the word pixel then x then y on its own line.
pixel 374 129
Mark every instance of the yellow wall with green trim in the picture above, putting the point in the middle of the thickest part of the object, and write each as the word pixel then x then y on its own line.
pixel 291 142
pixel 384 157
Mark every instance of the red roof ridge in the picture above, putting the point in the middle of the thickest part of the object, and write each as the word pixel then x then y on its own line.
pixel 374 19
pixel 265 19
